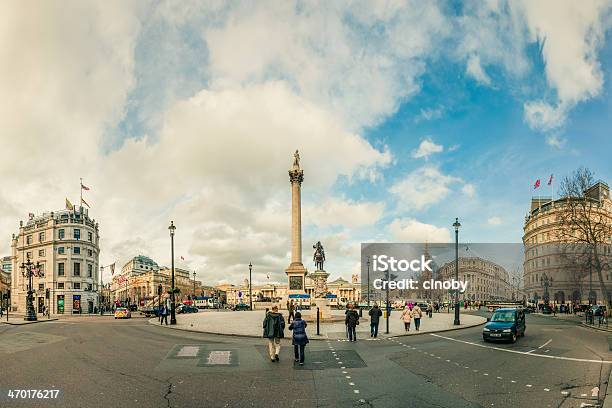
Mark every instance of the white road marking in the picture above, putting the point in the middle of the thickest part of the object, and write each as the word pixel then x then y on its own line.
pixel 499 378
pixel 356 391
pixel 583 395
pixel 565 392
pixel 528 385
pixel 486 374
pixel 581 360
pixel 345 372
pixel 352 384
pixel 595 392
pixel 512 381
pixel 545 344
pixel 546 389
pixel 348 377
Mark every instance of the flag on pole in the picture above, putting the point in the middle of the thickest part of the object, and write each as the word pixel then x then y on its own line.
pixel 84 187
pixel 550 180
pixel 112 268
pixel 537 184
pixel 69 205
pixel 30 216
pixel 84 202
pixel 182 259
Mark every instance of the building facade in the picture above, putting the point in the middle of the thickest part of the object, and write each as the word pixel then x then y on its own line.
pixel 140 278
pixel 554 267
pixel 66 244
pixel 486 280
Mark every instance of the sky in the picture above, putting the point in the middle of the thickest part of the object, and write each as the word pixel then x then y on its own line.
pixel 406 114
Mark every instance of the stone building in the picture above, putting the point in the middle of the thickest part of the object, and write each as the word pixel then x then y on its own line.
pixel 486 280
pixel 67 245
pixel 141 276
pixel 5 283
pixel 553 266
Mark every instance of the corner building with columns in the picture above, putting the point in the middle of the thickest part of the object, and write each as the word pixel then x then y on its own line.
pixel 66 244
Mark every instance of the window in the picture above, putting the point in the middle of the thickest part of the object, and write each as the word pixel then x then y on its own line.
pixel 41 268
pixel 76 285
pixel 41 252
pixel 90 237
pixel 61 233
pixel 89 270
pixel 29 255
pixel 60 269
pixel 41 236
pixel 77 233
pixel 77 269
pixel 76 250
pixel 89 286
pixel 41 286
pixel 29 239
pixel 90 252
pixel 60 285
pixel 61 250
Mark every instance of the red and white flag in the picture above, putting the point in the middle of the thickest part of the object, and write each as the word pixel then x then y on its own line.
pixel 550 180
pixel 112 268
pixel 182 259
pixel 85 202
pixel 84 187
pixel 537 184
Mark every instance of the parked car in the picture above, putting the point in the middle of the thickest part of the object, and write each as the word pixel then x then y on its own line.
pixel 122 313
pixel 547 309
pixel 505 324
pixel 151 311
pixel 186 309
pixel 242 306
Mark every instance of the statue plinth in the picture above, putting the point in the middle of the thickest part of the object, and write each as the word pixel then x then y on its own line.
pixel 320 283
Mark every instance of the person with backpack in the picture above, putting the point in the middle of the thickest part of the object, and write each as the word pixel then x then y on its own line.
pixel 375 314
pixel 299 338
pixel 352 321
pixel 274 331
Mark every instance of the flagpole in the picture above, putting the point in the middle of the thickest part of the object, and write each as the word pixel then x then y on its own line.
pixel 81 186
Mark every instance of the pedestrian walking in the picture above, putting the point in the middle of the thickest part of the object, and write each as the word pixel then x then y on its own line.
pixel 416 315
pixel 429 310
pixel 291 310
pixel 164 315
pixel 352 321
pixel 299 338
pixel 406 317
pixel 375 314
pixel 274 331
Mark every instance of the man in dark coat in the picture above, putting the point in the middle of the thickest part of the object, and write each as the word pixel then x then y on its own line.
pixel 375 314
pixel 300 339
pixel 274 331
pixel 351 321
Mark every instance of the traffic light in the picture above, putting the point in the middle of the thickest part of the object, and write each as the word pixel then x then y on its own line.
pixel 47 293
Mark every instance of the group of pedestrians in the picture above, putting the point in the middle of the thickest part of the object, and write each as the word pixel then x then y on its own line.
pixel 413 313
pixel 274 331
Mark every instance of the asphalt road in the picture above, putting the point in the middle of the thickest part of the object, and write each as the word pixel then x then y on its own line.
pixel 100 362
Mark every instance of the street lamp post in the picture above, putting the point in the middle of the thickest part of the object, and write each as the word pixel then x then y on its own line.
pixel 368 291
pixel 250 286
pixel 194 284
pixel 29 270
pixel 456 224
pixel 172 228
pixel 159 294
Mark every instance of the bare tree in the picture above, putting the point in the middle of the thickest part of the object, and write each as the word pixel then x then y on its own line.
pixel 582 219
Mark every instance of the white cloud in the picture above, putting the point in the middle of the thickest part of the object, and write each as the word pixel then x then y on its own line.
pixel 345 213
pixel 469 190
pixel 426 149
pixel 411 230
pixel 571 34
pixel 494 220
pixel 423 187
pixel 427 114
pixel 475 70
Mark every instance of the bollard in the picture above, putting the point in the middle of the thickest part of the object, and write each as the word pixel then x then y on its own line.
pixel 360 312
pixel 318 318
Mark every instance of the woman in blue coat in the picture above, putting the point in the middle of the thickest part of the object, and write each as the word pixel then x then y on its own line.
pixel 300 339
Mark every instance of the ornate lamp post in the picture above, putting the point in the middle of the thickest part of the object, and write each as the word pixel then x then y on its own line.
pixel 368 282
pixel 250 286
pixel 29 270
pixel 456 224
pixel 172 228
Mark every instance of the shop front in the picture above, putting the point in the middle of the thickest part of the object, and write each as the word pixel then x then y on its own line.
pixel 60 304
pixel 76 304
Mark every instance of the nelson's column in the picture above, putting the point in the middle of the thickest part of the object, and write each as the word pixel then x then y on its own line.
pixel 296 272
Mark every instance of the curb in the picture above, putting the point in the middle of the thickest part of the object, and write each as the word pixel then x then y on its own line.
pixel 315 337
pixel 32 322
pixel 607 402
pixel 595 328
